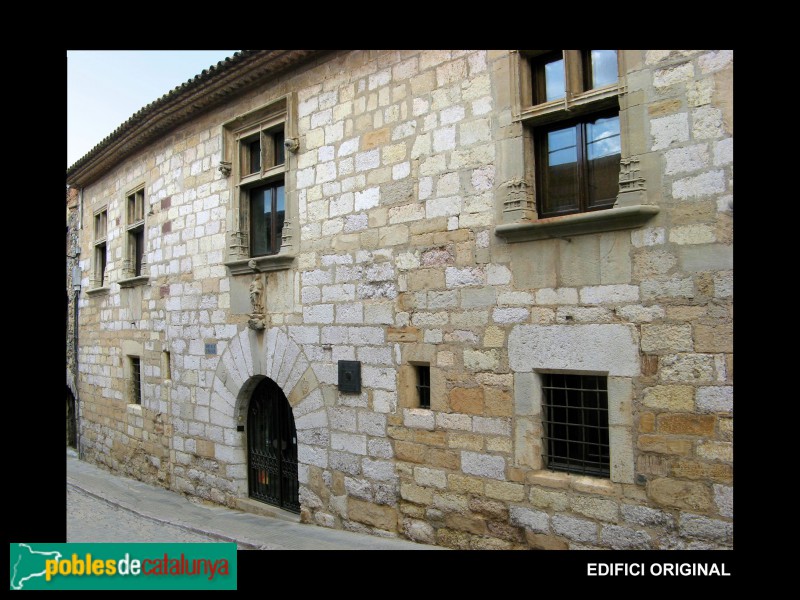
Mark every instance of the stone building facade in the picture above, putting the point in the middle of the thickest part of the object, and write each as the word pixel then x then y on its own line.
pixel 416 227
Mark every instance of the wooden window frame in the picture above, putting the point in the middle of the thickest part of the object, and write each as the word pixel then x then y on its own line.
pixel 268 125
pixel 134 267
pixel 100 248
pixel 520 216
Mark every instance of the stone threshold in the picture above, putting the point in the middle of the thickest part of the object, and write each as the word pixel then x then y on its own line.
pixel 255 507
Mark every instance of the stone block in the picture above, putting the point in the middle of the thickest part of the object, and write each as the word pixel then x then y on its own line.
pixel 577 530
pixel 624 538
pixel 686 424
pixel 671 338
pixel 669 397
pixel 383 517
pixel 483 465
pixel 689 495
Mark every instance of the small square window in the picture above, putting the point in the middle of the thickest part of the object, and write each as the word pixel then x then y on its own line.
pixel 423 385
pixel 575 419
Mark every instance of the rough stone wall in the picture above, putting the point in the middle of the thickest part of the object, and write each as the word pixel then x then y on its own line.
pixel 397 262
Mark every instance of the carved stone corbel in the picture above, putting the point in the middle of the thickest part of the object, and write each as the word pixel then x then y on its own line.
pixel 518 204
pixel 224 168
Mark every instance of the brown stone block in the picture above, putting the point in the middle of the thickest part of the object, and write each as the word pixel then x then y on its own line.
pixel 690 213
pixel 540 541
pixel 457 235
pixel 693 469
pixel 465 484
pixel 375 138
pixel 647 422
pixel 686 424
pixel 498 403
pixel 688 495
pixel 516 474
pixel 504 531
pixel 649 364
pixel 426 279
pixel 451 538
pixel 443 458
pixel 669 397
pixel 430 438
pixel 337 483
pixel 664 444
pixel 726 429
pixel 713 338
pixel 487 543
pixel 467 400
pixel 409 451
pixel 550 479
pixel 724 230
pixel 465 441
pixel 399 433
pixel 412 510
pixel 502 490
pixel 665 107
pixel 402 334
pixel 383 517
pixel 415 493
pixel 466 523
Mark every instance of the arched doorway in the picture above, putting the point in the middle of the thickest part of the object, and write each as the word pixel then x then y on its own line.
pixel 272 448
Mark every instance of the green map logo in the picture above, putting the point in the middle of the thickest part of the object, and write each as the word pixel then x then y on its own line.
pixel 123 566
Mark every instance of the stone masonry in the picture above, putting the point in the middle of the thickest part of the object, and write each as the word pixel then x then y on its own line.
pixel 395 193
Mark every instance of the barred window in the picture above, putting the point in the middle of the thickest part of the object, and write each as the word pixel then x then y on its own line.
pixel 424 385
pixel 136 385
pixel 575 418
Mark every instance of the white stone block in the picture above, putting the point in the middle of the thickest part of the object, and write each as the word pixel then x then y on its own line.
pixel 367 199
pixel 669 130
pixel 611 348
pixel 444 139
pixel 699 186
pixel 609 294
pixel 418 418
pixel 483 465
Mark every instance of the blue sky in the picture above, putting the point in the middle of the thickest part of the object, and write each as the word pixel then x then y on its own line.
pixel 105 87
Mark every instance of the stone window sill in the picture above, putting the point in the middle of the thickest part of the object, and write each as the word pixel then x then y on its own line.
pixel 612 219
pixel 133 281
pixel 272 262
pixel 135 409
pixel 98 291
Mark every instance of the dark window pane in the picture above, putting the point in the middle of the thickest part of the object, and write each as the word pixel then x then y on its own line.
pixel 603 156
pixel 561 175
pixel 254 150
pixel 138 237
pixel 267 214
pixel 260 209
pixel 604 67
pixel 424 385
pixel 280 153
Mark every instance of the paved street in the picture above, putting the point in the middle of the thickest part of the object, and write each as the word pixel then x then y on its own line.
pixel 102 507
pixel 93 520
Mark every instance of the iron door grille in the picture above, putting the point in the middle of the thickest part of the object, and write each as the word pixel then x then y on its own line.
pixel 575 418
pixel 272 448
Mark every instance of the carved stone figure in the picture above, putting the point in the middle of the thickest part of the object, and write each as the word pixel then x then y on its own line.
pixel 256 293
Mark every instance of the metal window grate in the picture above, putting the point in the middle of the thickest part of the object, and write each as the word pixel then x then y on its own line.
pixel 424 385
pixel 136 386
pixel 575 421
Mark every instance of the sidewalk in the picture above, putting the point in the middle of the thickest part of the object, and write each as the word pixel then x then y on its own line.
pixel 248 530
